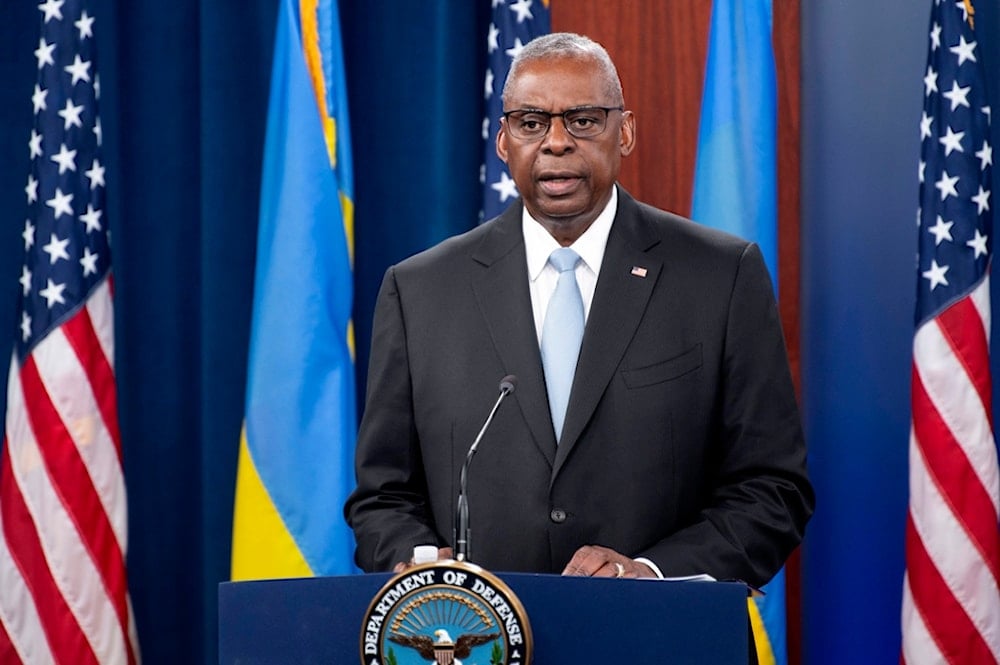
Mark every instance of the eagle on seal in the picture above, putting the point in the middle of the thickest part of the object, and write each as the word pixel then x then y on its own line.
pixel 442 650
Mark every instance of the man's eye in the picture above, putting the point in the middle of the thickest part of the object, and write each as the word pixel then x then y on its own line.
pixel 532 123
pixel 583 121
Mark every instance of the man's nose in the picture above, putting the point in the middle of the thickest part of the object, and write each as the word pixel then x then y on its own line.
pixel 558 139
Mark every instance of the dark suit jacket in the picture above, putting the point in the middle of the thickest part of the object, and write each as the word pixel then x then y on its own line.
pixel 682 440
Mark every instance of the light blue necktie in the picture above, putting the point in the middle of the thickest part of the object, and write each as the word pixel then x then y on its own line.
pixel 562 333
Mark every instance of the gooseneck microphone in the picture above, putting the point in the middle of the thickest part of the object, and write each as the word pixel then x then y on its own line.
pixel 462 531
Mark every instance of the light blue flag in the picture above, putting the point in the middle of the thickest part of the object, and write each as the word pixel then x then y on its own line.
pixel 296 457
pixel 735 184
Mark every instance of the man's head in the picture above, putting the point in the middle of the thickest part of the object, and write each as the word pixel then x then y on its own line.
pixel 564 166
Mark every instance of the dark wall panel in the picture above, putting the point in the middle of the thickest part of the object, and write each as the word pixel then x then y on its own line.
pixel 659 48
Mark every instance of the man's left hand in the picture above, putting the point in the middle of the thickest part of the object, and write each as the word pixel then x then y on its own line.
pixel 597 561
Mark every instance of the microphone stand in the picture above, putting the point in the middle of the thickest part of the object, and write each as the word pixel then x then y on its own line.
pixel 462 531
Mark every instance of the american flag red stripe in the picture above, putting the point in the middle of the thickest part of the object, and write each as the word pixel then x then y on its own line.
pixel 70 476
pixel 82 337
pixel 954 476
pixel 63 517
pixel 959 639
pixel 951 593
pixel 65 639
pixel 952 542
pixel 967 338
pixel 7 653
pixel 955 480
pixel 74 529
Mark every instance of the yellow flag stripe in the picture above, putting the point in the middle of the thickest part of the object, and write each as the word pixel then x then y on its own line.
pixel 765 655
pixel 347 208
pixel 262 546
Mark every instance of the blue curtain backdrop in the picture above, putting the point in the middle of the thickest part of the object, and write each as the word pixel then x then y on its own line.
pixel 862 96
pixel 184 102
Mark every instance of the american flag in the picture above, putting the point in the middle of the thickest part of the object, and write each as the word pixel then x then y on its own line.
pixel 513 24
pixel 951 598
pixel 63 532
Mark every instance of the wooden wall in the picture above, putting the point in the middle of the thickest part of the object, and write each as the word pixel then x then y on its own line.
pixel 659 47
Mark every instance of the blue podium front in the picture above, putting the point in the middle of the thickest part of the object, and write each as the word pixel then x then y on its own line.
pixel 573 620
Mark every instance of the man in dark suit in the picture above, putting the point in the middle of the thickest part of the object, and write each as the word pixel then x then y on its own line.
pixel 680 450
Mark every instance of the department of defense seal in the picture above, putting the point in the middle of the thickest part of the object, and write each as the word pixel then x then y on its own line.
pixel 447 613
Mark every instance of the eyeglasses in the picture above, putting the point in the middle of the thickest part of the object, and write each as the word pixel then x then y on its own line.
pixel 582 123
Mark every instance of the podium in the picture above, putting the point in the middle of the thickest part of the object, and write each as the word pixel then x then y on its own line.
pixel 573 620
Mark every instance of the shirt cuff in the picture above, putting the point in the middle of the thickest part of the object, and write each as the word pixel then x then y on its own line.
pixel 653 566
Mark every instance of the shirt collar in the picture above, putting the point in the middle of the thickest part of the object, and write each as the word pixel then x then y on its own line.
pixel 538 244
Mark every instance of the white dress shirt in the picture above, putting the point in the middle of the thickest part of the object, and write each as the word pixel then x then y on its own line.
pixel 542 277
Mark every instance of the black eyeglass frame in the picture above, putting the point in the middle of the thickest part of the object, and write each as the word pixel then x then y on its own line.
pixel 546 114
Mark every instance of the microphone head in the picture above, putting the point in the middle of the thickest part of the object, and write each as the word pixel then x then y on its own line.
pixel 508 383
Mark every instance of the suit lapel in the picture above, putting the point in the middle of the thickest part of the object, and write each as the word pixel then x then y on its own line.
pixel 628 275
pixel 505 301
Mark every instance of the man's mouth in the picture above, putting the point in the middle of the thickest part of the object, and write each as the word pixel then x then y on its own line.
pixel 559 184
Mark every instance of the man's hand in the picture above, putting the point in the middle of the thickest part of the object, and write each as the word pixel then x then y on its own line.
pixel 597 561
pixel 443 553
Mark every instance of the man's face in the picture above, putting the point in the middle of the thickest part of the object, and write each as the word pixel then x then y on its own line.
pixel 565 181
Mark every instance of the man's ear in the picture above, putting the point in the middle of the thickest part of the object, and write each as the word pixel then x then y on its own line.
pixel 626 138
pixel 502 143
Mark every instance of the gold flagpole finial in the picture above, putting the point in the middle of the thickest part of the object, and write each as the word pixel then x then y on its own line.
pixel 971 11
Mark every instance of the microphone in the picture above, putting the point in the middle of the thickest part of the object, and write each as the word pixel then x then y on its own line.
pixel 462 531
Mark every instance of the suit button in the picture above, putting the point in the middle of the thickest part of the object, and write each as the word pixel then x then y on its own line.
pixel 558 516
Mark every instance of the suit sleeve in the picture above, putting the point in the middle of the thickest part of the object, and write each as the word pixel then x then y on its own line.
pixel 759 497
pixel 388 510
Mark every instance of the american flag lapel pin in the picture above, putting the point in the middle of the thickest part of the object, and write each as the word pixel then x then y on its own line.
pixel 639 271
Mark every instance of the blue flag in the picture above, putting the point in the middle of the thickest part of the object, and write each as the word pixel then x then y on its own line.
pixel 296 453
pixel 735 190
pixel 735 184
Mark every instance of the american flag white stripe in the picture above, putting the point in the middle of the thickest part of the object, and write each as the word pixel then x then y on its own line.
pixel 958 403
pixel 953 430
pixel 68 387
pixel 952 527
pixel 955 635
pixel 18 616
pixel 67 544
pixel 919 645
pixel 68 473
pixel 959 560
pixel 980 298
pixel 102 314
pixel 61 631
pixel 962 562
pixel 951 540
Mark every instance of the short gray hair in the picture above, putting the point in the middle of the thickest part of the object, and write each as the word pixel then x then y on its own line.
pixel 567 45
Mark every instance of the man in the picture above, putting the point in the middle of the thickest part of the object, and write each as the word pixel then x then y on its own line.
pixel 680 450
